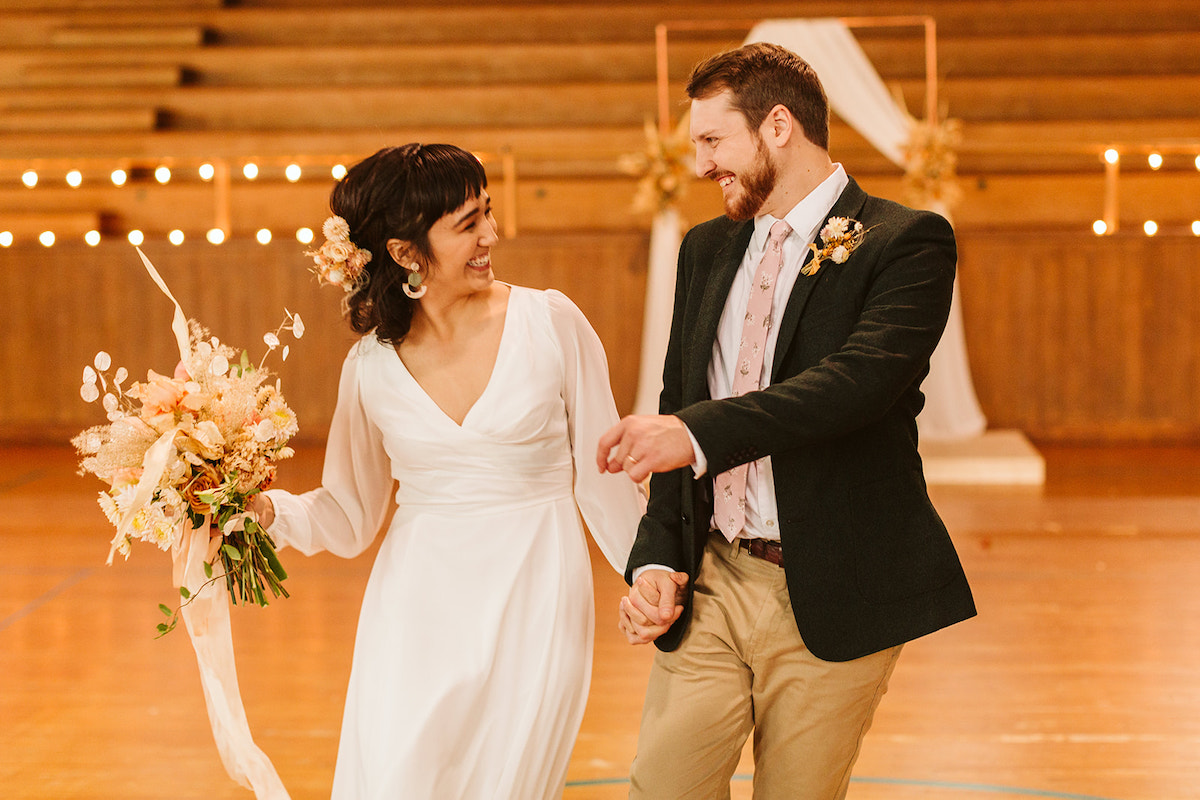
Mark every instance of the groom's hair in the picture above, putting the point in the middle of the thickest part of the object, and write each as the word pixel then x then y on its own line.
pixel 761 76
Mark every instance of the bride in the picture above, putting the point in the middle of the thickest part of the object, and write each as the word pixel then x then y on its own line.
pixel 476 399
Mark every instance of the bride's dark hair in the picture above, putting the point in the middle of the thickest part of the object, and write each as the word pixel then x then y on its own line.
pixel 399 193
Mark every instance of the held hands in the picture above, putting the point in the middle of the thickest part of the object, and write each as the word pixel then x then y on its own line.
pixel 654 602
pixel 640 445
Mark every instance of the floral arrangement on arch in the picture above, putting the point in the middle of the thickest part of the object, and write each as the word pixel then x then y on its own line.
pixel 931 162
pixel 190 450
pixel 664 166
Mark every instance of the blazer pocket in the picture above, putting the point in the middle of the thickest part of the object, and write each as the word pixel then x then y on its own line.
pixel 901 546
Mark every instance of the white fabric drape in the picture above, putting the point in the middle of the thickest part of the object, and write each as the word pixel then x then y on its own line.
pixel 858 95
pixel 665 238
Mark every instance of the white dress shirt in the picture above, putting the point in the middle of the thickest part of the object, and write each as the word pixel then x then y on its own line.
pixel 805 219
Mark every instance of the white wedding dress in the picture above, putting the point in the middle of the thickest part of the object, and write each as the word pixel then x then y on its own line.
pixel 474 644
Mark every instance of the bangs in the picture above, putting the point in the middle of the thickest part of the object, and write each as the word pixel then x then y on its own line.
pixel 443 178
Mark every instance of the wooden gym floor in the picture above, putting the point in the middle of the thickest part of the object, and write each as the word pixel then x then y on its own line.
pixel 1079 679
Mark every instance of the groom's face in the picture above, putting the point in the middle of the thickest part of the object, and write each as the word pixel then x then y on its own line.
pixel 729 152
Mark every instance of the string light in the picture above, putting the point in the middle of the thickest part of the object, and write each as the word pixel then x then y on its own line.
pixel 1151 227
pixel 1111 155
pixel 163 173
pixel 1099 227
pixel 1155 160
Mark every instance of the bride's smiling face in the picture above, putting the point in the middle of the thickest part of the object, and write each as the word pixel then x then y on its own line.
pixel 461 243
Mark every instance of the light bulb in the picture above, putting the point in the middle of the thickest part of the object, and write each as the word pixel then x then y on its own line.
pixel 1151 227
pixel 162 174
pixel 250 171
pixel 338 171
pixel 292 172
pixel 215 236
pixel 136 237
pixel 92 238
pixel 304 236
pixel 119 176
pixel 47 238
pixel 74 178
pixel 1099 227
pixel 175 237
pixel 207 171
pixel 29 178
pixel 1111 155
pixel 6 238
pixel 263 236
pixel 1155 160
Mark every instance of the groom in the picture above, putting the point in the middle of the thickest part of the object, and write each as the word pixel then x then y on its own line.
pixel 789 548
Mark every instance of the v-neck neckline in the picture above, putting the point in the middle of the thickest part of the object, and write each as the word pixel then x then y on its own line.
pixel 504 328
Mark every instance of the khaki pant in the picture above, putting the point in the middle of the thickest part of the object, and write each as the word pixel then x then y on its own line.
pixel 742 666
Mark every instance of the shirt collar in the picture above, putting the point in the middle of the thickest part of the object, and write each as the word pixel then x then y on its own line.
pixel 806 216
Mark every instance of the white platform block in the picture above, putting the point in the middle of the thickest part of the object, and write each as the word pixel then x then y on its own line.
pixel 999 457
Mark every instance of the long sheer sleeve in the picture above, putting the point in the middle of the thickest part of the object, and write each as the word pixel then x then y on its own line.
pixel 611 504
pixel 344 515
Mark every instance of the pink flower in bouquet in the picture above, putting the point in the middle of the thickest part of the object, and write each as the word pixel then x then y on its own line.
pixel 163 396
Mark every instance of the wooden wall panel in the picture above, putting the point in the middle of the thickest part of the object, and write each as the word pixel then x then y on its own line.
pixel 61 305
pixel 1070 337
pixel 1078 338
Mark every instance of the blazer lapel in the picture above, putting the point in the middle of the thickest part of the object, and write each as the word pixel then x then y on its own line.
pixel 716 292
pixel 848 205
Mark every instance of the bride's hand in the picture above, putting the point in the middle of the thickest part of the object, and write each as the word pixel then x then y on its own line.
pixel 263 510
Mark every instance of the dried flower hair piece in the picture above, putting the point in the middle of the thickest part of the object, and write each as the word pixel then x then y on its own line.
pixel 339 262
pixel 840 236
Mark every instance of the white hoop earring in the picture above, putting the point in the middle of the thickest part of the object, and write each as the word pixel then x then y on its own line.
pixel 412 287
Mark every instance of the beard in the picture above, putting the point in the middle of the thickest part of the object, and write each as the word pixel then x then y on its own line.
pixel 757 185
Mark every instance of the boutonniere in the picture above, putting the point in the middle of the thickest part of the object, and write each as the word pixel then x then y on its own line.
pixel 840 237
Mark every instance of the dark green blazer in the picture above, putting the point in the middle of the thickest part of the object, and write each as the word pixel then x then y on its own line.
pixel 869 563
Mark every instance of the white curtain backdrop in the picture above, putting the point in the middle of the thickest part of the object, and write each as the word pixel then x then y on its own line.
pixel 857 95
pixel 666 233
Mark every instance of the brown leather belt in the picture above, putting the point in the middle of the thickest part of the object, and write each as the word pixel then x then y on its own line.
pixel 765 549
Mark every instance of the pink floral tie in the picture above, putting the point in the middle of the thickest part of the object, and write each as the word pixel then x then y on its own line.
pixel 730 495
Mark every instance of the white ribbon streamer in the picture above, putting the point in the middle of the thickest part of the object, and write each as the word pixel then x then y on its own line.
pixel 208 625
pixel 206 616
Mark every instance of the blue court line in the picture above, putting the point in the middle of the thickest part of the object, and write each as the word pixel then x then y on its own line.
pixel 966 787
pixel 46 597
